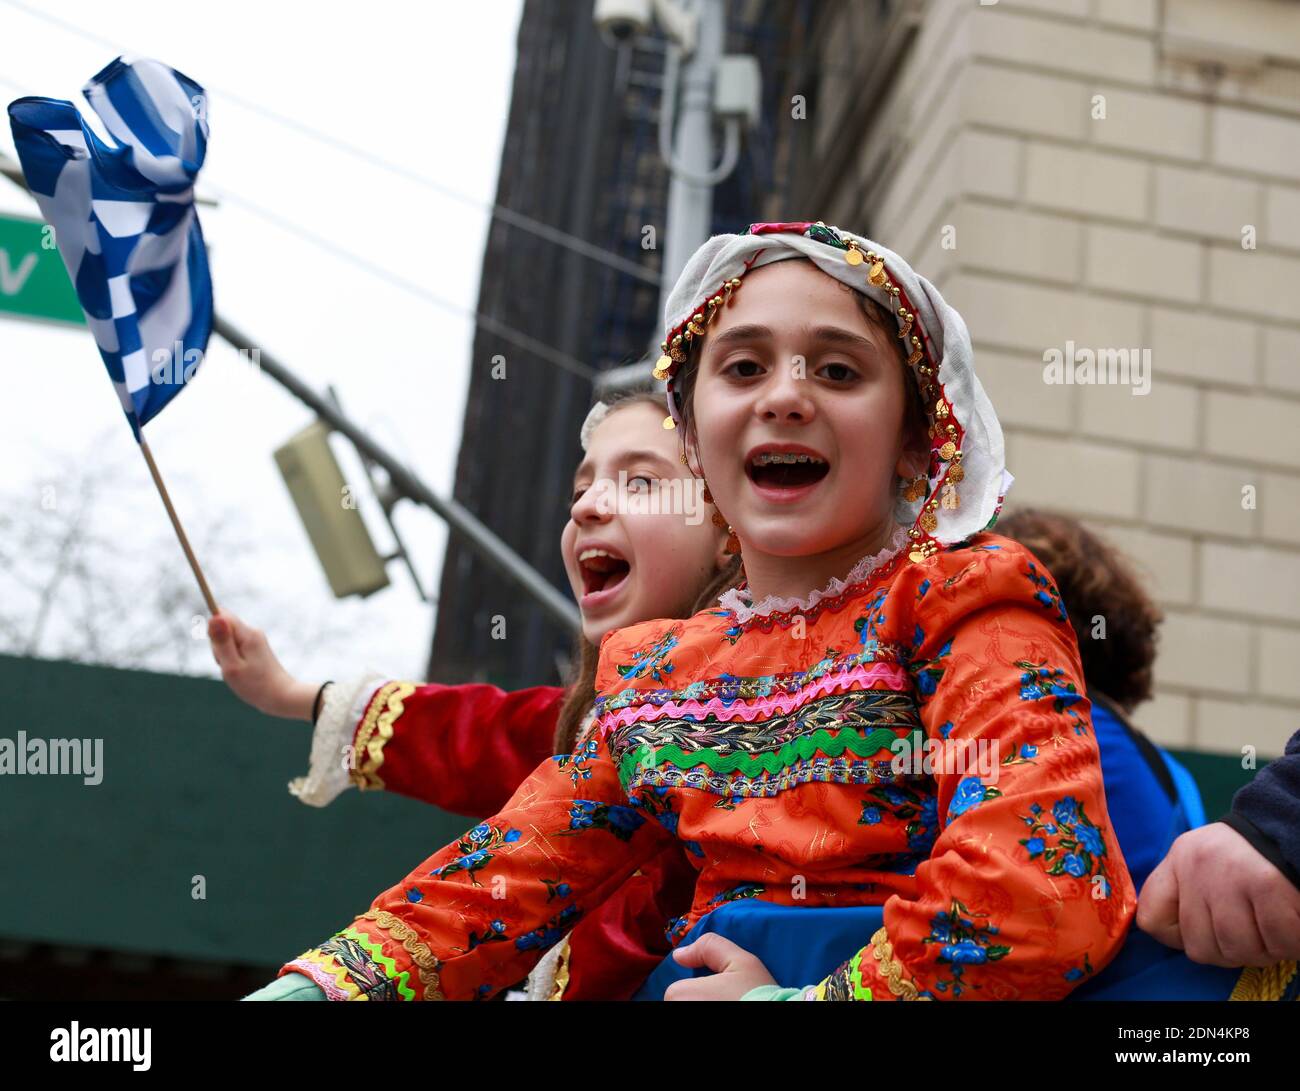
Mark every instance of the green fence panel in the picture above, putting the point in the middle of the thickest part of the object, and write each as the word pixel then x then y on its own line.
pixel 194 784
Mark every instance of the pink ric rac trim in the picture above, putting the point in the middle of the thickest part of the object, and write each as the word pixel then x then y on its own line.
pixel 319 975
pixel 892 674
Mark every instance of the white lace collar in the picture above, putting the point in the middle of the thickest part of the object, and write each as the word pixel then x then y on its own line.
pixel 735 599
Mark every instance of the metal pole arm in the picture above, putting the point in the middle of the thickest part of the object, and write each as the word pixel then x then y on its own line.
pixel 482 540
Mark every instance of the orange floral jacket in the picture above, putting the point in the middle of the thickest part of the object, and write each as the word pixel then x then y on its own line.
pixel 920 741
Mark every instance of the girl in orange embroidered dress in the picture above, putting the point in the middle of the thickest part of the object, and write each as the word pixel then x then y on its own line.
pixel 889 717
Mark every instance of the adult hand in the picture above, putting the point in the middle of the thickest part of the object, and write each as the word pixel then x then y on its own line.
pixel 736 971
pixel 1215 897
pixel 253 673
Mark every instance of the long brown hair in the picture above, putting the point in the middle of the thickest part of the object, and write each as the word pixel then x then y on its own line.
pixel 1095 580
pixel 581 686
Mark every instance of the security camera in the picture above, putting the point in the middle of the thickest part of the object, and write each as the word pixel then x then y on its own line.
pixel 619 21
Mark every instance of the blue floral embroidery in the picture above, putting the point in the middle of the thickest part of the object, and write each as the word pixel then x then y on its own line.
pixel 733 632
pixel 868 625
pixel 928 672
pixel 1046 593
pixel 587 814
pixel 736 893
pixel 658 804
pixel 970 793
pixel 651 658
pixel 477 850
pixel 577 761
pixel 556 889
pixel 1024 756
pixel 962 943
pixel 550 933
pixel 494 932
pixel 922 833
pixel 919 810
pixel 1072 844
pixel 1038 682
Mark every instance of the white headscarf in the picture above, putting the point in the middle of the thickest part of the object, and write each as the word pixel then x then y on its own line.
pixel 964 426
pixel 595 415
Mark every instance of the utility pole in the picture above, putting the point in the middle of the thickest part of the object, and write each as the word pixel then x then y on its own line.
pixel 690 159
pixel 709 86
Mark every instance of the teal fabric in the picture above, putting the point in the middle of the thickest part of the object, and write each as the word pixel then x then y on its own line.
pixel 289 987
pixel 772 992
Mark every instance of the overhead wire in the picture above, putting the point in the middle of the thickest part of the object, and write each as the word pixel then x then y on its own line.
pixel 506 215
pixel 486 322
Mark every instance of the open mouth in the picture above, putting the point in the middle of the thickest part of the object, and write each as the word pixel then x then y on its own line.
pixel 786 469
pixel 601 570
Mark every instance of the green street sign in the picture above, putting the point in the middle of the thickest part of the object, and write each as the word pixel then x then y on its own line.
pixel 33 279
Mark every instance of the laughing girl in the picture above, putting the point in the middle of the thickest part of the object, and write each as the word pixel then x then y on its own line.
pixel 466 748
pixel 830 405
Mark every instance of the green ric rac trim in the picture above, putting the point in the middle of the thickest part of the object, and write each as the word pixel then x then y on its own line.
pixel 860 991
pixel 832 744
pixel 376 951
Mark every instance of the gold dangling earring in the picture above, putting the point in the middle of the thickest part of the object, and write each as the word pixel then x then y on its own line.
pixel 733 543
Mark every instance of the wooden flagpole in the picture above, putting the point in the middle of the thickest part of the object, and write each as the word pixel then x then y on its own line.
pixel 180 530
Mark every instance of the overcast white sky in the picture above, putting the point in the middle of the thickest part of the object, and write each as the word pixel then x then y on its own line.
pixel 423 85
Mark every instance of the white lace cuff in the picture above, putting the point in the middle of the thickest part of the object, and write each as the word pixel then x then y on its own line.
pixel 542 981
pixel 331 743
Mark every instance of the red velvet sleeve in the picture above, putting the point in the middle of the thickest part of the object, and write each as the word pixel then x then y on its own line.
pixel 465 749
pixel 617 947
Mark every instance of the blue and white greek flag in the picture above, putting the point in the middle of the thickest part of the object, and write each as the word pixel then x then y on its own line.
pixel 124 221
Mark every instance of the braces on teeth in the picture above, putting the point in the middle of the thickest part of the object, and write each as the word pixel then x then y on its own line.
pixel 769 457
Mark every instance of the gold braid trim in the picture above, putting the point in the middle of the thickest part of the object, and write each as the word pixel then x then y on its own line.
pixel 426 963
pixel 891 969
pixel 561 972
pixel 375 731
pixel 1264 982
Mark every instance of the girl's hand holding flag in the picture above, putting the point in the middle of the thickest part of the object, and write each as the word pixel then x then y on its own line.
pixel 252 671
